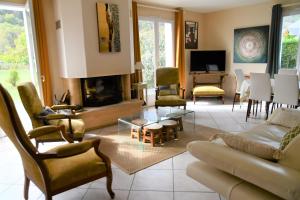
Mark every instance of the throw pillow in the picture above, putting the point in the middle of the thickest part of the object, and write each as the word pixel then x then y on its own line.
pixel 46 111
pixel 289 136
pixel 285 117
pixel 250 146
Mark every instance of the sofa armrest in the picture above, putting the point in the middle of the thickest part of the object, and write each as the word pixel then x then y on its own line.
pixel 273 177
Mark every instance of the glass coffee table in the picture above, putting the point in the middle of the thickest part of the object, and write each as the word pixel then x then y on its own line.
pixel 151 116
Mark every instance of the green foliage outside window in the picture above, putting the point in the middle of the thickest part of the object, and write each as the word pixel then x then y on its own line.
pixel 13 77
pixel 289 51
pixel 14 60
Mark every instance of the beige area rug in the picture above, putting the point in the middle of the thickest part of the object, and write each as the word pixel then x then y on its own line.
pixel 131 156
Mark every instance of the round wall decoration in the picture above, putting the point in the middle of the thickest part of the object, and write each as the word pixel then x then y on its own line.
pixel 251 44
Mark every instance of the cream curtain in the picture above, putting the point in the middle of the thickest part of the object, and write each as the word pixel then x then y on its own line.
pixel 179 47
pixel 137 76
pixel 42 51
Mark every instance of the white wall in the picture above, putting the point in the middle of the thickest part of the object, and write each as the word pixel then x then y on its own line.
pixel 102 64
pixel 78 40
pixel 219 29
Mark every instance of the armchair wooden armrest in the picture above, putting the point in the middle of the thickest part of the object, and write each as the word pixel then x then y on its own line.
pixel 65 107
pixel 74 149
pixel 56 116
pixel 45 130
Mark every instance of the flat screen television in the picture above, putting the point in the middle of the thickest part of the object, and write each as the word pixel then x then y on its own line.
pixel 208 61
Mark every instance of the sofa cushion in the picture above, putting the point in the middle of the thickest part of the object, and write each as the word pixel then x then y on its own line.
pixel 250 146
pixel 207 91
pixel 266 133
pixel 289 136
pixel 285 117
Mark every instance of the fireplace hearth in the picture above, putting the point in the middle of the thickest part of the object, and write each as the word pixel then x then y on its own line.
pixel 101 91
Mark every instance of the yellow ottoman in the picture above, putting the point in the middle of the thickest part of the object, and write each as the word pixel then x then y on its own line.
pixel 208 91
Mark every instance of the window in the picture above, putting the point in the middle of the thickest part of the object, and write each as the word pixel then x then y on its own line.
pixel 290 38
pixel 157 46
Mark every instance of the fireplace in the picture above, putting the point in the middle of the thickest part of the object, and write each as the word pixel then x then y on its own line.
pixel 101 91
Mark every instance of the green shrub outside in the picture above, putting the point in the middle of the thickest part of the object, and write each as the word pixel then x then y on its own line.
pixel 289 51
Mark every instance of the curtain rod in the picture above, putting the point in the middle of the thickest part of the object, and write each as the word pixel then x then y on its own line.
pixel 291 4
pixel 157 8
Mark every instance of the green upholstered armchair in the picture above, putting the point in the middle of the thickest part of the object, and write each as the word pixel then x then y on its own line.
pixel 168 88
pixel 39 116
pixel 59 169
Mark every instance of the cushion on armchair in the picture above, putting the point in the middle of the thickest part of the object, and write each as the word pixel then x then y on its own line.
pixel 77 126
pixel 170 100
pixel 207 91
pixel 168 90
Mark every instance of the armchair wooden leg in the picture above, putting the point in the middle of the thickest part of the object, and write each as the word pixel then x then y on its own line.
pixel 194 99
pixel 26 187
pixel 48 197
pixel 108 185
pixel 37 144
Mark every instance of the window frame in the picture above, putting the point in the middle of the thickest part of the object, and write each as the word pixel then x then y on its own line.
pixel 156 21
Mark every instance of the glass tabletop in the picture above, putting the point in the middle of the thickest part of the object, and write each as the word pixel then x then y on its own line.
pixel 151 116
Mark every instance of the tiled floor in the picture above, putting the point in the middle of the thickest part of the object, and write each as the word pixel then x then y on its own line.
pixel 164 181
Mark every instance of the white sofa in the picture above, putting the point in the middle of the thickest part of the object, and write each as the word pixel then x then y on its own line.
pixel 240 176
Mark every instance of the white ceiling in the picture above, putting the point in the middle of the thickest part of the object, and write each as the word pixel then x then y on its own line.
pixel 203 6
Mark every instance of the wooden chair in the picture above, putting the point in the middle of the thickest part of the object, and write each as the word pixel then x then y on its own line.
pixel 59 169
pixel 168 88
pixel 39 117
pixel 208 89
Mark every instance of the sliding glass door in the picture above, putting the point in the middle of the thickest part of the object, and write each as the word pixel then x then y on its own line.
pixel 157 46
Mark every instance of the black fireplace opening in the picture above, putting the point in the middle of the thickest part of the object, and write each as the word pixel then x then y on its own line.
pixel 101 91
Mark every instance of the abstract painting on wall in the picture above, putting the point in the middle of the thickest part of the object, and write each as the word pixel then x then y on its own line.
pixel 191 35
pixel 251 44
pixel 108 27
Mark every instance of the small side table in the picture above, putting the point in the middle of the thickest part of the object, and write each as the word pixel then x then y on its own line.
pixel 139 87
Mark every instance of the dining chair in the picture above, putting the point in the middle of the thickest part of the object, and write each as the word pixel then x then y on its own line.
pixel 287 71
pixel 260 90
pixel 58 169
pixel 240 77
pixel 286 90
